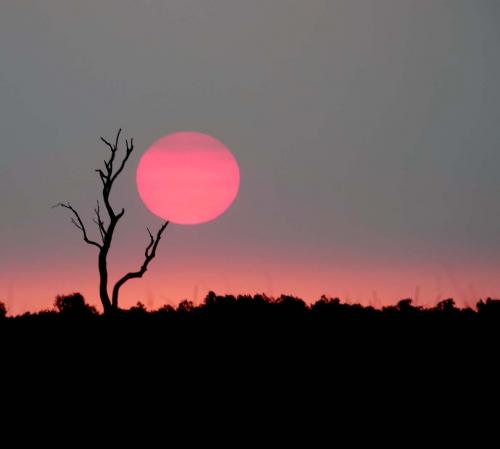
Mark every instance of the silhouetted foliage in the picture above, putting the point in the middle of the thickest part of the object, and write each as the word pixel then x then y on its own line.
pixel 139 308
pixel 490 307
pixel 257 331
pixel 446 306
pixel 167 308
pixel 185 306
pixel 263 320
pixel 246 344
pixel 3 310
pixel 261 305
pixel 291 304
pixel 406 306
pixel 74 305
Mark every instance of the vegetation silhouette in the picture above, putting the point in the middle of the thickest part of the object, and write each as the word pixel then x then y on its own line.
pixel 250 311
pixel 74 306
pixel 3 311
pixel 107 226
pixel 261 340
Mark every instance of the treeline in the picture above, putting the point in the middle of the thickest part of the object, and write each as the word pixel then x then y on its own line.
pixel 75 306
pixel 254 333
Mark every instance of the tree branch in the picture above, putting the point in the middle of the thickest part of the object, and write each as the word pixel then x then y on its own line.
pixel 113 149
pixel 130 149
pixel 79 224
pixel 104 178
pixel 99 222
pixel 149 255
pixel 109 176
pixel 151 243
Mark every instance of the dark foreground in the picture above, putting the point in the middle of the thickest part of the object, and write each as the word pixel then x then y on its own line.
pixel 257 331
pixel 256 356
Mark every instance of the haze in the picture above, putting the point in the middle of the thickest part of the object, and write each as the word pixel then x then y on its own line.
pixel 367 135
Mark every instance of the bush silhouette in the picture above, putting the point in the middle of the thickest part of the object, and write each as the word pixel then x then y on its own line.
pixel 185 306
pixel 139 309
pixel 406 306
pixel 490 307
pixel 446 306
pixel 3 310
pixel 73 305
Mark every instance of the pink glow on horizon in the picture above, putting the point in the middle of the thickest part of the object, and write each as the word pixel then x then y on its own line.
pixel 188 178
pixel 184 277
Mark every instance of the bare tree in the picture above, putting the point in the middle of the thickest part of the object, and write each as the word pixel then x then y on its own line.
pixel 107 226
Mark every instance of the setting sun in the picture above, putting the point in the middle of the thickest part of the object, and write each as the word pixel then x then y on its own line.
pixel 188 178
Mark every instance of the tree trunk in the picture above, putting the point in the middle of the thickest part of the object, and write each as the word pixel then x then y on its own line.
pixel 103 282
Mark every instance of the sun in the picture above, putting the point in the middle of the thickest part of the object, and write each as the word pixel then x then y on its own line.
pixel 188 178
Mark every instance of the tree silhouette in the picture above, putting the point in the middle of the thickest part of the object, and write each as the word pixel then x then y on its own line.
pixel 3 310
pixel 446 305
pixel 107 226
pixel 74 305
pixel 490 307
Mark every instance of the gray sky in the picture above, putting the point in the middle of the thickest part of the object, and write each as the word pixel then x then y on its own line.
pixel 367 132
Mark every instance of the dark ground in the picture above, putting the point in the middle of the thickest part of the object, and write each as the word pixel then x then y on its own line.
pixel 257 331
pixel 254 362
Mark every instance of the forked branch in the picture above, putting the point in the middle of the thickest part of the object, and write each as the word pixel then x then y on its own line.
pixel 109 174
pixel 77 221
pixel 149 255
pixel 129 150
pixel 99 222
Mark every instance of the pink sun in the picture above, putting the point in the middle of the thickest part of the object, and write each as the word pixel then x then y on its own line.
pixel 188 178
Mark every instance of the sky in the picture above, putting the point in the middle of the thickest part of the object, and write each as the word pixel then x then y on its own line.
pixel 367 135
